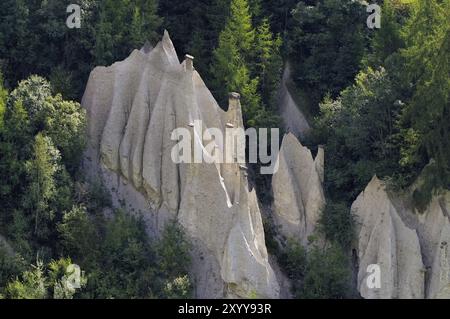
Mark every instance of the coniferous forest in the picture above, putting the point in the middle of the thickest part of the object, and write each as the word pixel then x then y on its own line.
pixel 377 99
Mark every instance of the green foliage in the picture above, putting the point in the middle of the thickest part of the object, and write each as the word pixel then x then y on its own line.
pixel 359 132
pixel 387 41
pixel 326 45
pixel 63 121
pixel 179 288
pixel 99 196
pixel 32 285
pixel 41 171
pixel 316 273
pixel 239 25
pixel 427 185
pixel 125 269
pixel 271 232
pixel 11 265
pixel 293 261
pixel 37 40
pixel 248 64
pixel 14 17
pixel 114 38
pixel 279 12
pixel 337 224
pixel 235 43
pixel 126 263
pixel 78 235
pixel 269 63
pixel 34 38
pixel 392 121
pixel 44 282
pixel 173 251
pixel 48 212
pixel 3 98
pixel 65 125
pixel 425 125
pixel 32 92
pixel 59 272
pixel 328 275
pixel 14 148
pixel 194 28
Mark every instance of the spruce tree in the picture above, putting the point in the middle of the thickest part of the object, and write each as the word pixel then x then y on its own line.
pixel 240 27
pixel 269 63
pixel 243 62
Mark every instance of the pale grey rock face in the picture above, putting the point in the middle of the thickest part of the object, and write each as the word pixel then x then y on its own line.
pixel 297 188
pixel 5 245
pixel 384 240
pixel 410 247
pixel 133 107
pixel 293 118
pixel 433 227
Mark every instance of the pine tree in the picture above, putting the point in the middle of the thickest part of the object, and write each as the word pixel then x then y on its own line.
pixel 247 61
pixel 230 69
pixel 228 61
pixel 269 62
pixel 240 27
pixel 209 18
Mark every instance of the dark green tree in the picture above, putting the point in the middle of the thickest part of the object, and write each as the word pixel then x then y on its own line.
pixel 41 282
pixel 327 275
pixel 425 125
pixel 243 61
pixel 114 38
pixel 388 40
pixel 359 131
pixel 326 45
pixel 79 235
pixel 280 15
pixel 14 52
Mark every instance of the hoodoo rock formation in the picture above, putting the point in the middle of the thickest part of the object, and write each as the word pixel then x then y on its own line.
pixel 297 188
pixel 384 240
pixel 410 247
pixel 293 118
pixel 133 107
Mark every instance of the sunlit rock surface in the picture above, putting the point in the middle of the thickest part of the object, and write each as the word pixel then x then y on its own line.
pixel 133 107
pixel 297 188
pixel 410 247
